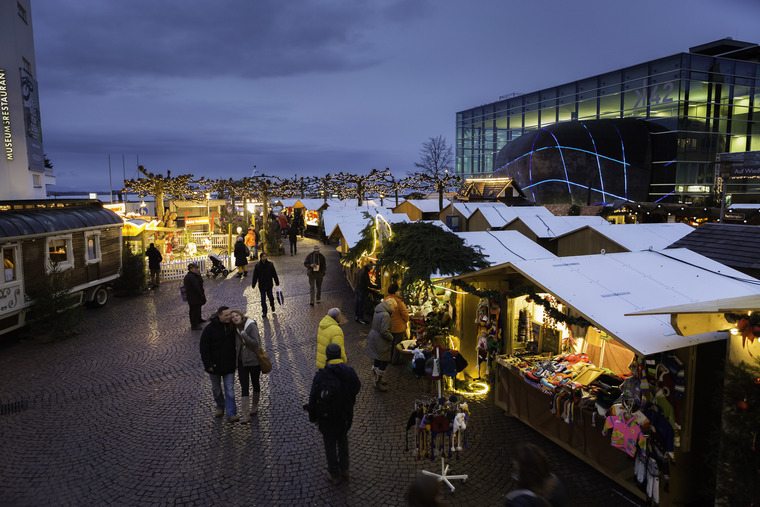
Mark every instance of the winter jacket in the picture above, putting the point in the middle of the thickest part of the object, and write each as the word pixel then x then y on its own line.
pixel 154 258
pixel 380 338
pixel 329 332
pixel 193 283
pixel 241 252
pixel 315 258
pixel 218 347
pixel 400 316
pixel 341 413
pixel 293 234
pixel 264 274
pixel 248 341
pixel 250 239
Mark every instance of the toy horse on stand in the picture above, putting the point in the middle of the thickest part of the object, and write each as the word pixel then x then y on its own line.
pixel 457 439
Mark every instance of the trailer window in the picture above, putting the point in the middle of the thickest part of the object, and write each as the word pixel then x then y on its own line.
pixel 10 270
pixel 92 242
pixel 60 253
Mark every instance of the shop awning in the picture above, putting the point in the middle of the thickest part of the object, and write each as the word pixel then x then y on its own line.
pixel 608 289
pixel 725 305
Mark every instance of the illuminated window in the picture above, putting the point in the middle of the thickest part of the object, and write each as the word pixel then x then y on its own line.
pixel 10 266
pixel 92 247
pixel 22 12
pixel 60 253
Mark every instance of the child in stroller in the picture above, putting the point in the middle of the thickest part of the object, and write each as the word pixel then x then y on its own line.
pixel 217 267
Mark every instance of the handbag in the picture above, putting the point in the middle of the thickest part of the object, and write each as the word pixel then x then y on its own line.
pixel 264 362
pixel 279 296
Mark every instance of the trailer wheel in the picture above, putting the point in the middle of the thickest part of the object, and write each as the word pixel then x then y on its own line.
pixel 225 272
pixel 99 297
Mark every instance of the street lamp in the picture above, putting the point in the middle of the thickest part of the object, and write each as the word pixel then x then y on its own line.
pixel 208 210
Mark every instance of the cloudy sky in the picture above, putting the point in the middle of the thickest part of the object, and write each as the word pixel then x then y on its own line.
pixel 309 87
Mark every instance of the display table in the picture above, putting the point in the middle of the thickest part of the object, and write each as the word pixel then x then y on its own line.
pixel 532 406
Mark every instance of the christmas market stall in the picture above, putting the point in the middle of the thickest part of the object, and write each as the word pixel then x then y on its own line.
pixel 625 393
pixel 735 446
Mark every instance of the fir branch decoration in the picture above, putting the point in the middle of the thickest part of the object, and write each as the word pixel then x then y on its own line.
pixel 424 249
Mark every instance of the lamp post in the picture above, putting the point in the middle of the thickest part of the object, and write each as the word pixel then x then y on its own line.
pixel 208 210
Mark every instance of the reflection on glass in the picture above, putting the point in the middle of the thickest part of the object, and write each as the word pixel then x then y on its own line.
pixel 9 264
pixel 57 250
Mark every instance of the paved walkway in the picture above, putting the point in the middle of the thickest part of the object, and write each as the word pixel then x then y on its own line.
pixel 122 414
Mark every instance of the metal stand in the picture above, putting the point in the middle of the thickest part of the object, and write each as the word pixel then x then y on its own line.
pixel 443 475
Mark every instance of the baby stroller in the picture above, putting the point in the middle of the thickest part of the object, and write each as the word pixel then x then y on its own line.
pixel 217 267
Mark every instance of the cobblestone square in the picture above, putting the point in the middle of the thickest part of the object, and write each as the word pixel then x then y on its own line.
pixel 122 415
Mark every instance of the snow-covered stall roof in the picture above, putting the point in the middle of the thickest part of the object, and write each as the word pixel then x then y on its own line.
pixel 554 226
pixel 501 247
pixel 605 288
pixel 499 217
pixel 725 305
pixel 468 208
pixel 425 205
pixel 635 237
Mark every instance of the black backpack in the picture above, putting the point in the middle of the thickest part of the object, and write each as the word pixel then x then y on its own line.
pixel 330 396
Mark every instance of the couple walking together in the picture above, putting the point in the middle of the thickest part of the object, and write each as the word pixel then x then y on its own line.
pixel 229 343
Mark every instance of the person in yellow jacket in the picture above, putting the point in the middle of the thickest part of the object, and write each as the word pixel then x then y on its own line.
pixel 330 332
pixel 399 320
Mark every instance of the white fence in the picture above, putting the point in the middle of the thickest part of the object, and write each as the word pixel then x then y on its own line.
pixel 177 268
pixel 218 241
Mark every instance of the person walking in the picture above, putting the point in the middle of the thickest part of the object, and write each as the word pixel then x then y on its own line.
pixel 154 265
pixel 331 406
pixel 293 239
pixel 265 275
pixel 248 342
pixel 399 320
pixel 330 332
pixel 315 268
pixel 250 242
pixel 241 253
pixel 218 355
pixel 195 295
pixel 361 293
pixel 535 484
pixel 379 341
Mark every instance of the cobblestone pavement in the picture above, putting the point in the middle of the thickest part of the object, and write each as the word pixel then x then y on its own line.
pixel 122 414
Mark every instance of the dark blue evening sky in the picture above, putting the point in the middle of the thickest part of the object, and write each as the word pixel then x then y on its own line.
pixel 214 87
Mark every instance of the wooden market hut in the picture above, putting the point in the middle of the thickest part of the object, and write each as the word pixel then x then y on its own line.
pixel 421 209
pixel 603 238
pixel 604 290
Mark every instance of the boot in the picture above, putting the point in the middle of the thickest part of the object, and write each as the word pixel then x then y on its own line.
pixel 255 403
pixel 380 385
pixel 245 416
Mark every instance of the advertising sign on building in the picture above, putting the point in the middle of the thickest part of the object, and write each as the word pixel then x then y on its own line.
pixel 744 164
pixel 32 122
pixel 5 118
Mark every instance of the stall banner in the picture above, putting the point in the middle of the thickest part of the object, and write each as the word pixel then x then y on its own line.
pixel 32 123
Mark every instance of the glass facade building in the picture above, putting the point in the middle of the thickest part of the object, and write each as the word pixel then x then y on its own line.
pixel 694 105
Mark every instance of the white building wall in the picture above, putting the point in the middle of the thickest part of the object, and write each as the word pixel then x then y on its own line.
pixel 20 177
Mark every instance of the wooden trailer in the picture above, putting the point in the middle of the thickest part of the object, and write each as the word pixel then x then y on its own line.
pixel 78 236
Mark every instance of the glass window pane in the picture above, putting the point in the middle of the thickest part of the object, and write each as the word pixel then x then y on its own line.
pixel 92 248
pixel 57 250
pixel 9 264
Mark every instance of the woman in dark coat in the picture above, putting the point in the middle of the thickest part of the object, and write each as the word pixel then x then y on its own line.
pixel 241 257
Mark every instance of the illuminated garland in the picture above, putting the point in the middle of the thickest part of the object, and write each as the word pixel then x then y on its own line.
pixel 523 290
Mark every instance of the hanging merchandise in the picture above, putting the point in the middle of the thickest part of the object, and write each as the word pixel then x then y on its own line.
pixel 522 326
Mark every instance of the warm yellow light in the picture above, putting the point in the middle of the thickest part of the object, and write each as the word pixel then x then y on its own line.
pixel 476 388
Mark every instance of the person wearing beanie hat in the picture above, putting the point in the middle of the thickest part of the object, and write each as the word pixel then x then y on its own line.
pixel 331 406
pixel 315 268
pixel 330 332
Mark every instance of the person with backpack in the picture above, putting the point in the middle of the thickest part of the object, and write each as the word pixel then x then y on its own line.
pixel 331 407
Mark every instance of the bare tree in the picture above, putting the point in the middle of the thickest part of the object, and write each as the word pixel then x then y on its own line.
pixel 162 187
pixel 436 158
pixel 357 186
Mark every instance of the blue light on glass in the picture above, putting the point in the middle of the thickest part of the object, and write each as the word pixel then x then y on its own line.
pixel 596 153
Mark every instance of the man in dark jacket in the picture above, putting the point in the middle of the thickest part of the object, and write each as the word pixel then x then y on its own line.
pixel 218 356
pixel 265 275
pixel 331 406
pixel 293 239
pixel 362 294
pixel 154 264
pixel 315 268
pixel 241 253
pixel 196 297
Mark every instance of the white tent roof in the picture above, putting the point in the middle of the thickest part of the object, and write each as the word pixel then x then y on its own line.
pixel 605 288
pixel 499 217
pixel 635 237
pixel 468 208
pixel 426 205
pixel 501 247
pixel 554 226
pixel 725 305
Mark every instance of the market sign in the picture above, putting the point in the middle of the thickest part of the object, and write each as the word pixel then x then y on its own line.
pixel 196 221
pixel 5 117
